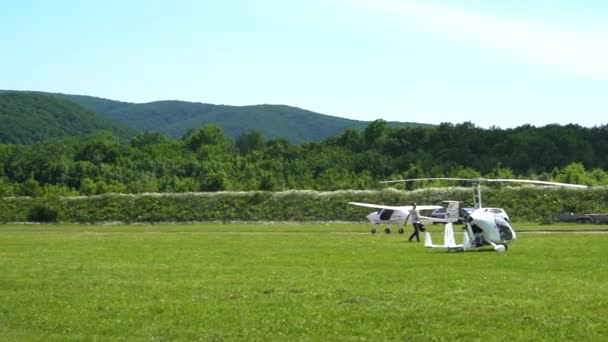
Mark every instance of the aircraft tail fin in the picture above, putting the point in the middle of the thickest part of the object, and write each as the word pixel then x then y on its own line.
pixel 449 241
pixel 428 242
pixel 452 211
pixel 448 235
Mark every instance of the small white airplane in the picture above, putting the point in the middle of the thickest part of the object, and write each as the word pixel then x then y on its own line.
pixel 482 226
pixel 390 214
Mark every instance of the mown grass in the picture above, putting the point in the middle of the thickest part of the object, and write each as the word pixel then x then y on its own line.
pixel 325 227
pixel 261 282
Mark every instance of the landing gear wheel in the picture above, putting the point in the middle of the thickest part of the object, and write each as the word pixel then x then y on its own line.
pixel 373 230
pixel 401 230
pixel 500 248
pixel 387 231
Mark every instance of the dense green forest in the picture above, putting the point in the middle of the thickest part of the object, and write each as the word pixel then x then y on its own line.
pixel 207 160
pixel 27 118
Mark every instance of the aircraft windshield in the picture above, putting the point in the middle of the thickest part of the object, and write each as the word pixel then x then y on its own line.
pixel 504 229
pixel 385 214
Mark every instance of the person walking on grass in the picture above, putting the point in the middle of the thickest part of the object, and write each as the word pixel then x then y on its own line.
pixel 415 219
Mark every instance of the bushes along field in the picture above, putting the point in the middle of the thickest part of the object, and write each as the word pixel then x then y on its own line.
pixel 538 204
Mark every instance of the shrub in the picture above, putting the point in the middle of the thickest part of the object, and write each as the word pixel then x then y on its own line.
pixel 42 213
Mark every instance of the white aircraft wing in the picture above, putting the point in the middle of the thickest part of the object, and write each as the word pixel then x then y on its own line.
pixel 406 208
pixel 380 206
pixel 428 207
pixel 433 219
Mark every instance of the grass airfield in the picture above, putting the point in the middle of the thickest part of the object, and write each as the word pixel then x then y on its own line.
pixel 218 282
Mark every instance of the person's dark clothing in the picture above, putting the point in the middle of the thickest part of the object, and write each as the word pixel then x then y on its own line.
pixel 413 215
pixel 415 233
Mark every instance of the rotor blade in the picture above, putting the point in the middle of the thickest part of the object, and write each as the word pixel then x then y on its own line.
pixel 428 179
pixel 405 208
pixel 479 180
pixel 528 181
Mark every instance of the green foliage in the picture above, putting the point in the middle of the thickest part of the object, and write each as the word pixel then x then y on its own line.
pixel 522 203
pixel 175 118
pixel 58 190
pixel 30 187
pixel 251 141
pixel 215 181
pixel 88 187
pixel 6 188
pixel 374 133
pixel 42 213
pixel 574 173
pixel 99 148
pixel 28 117
pixel 148 138
pixel 206 159
pixel 206 137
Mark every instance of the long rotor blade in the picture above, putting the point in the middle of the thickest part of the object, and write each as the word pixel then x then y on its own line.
pixel 427 179
pixel 528 181
pixel 479 180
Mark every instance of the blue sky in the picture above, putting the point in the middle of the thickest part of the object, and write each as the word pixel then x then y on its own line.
pixel 494 63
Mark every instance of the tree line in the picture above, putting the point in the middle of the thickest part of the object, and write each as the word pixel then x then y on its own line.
pixel 207 160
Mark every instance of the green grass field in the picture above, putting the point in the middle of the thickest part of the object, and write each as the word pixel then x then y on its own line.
pixel 288 282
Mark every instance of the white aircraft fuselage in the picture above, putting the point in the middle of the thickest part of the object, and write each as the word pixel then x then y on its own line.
pixel 494 230
pixel 385 217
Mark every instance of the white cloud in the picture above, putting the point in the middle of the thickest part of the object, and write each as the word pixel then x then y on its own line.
pixel 581 52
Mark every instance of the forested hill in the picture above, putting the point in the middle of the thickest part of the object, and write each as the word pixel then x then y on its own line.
pixel 207 160
pixel 27 118
pixel 175 118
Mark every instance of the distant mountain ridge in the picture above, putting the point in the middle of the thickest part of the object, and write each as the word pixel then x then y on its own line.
pixel 175 118
pixel 27 117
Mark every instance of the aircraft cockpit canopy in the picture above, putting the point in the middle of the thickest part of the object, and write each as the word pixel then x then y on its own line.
pixel 504 229
pixel 385 214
